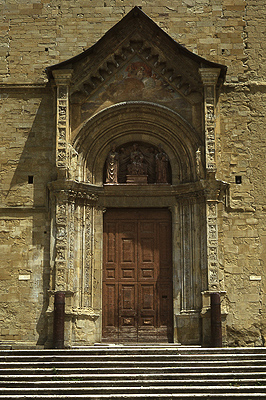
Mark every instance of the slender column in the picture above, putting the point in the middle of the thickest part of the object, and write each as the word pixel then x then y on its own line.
pixel 216 324
pixel 62 81
pixel 59 320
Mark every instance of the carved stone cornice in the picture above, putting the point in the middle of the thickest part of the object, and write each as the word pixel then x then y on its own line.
pixel 70 191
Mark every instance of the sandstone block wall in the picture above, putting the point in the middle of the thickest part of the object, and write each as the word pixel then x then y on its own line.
pixel 35 34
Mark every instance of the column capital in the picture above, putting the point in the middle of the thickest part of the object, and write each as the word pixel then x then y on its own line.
pixel 62 76
pixel 209 76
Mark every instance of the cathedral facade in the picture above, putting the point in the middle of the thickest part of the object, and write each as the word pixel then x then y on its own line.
pixel 132 171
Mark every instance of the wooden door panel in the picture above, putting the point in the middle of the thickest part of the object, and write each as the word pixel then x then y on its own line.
pixel 110 311
pixel 128 313
pixel 146 273
pixel 128 298
pixel 147 248
pixel 147 297
pixel 164 244
pixel 128 273
pixel 137 277
pixel 127 237
pixel 111 245
pixel 111 296
pixel 127 250
pixel 164 305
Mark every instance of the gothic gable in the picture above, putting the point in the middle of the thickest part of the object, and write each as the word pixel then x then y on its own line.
pixel 136 61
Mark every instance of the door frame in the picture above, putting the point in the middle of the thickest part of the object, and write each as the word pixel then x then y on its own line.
pixel 188 208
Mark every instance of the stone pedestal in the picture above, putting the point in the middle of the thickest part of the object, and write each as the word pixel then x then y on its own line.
pixel 137 179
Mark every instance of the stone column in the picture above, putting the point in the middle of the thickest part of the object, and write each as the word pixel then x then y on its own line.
pixel 62 79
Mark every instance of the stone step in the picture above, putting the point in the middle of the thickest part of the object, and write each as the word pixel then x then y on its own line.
pixel 183 396
pixel 127 372
pixel 133 390
pixel 131 377
pixel 134 357
pixel 133 364
pixel 124 350
pixel 61 383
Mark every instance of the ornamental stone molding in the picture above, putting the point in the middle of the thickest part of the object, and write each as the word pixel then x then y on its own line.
pixel 210 79
pixel 62 80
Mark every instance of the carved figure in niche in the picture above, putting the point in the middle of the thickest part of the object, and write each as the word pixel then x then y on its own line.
pixel 112 166
pixel 200 170
pixel 137 165
pixel 161 162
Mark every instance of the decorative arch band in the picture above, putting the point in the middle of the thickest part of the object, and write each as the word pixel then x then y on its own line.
pixel 137 122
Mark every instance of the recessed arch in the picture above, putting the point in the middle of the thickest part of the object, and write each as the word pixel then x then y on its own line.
pixel 142 122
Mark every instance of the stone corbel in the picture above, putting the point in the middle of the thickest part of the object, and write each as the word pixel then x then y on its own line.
pixel 62 79
pixel 209 78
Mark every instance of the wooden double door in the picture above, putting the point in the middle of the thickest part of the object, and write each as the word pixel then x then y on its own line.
pixel 137 276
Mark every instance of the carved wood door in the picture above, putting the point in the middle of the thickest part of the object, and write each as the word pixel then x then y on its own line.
pixel 137 276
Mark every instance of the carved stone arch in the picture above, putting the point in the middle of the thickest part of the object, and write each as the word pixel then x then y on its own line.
pixel 138 121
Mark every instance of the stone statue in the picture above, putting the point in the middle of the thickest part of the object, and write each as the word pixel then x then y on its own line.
pixel 112 166
pixel 137 165
pixel 199 166
pixel 161 162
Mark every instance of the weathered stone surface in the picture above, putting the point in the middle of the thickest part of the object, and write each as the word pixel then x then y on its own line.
pixel 43 227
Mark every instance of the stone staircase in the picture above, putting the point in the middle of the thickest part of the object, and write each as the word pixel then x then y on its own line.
pixel 134 372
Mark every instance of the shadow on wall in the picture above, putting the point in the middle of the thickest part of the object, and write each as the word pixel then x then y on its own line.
pixel 32 162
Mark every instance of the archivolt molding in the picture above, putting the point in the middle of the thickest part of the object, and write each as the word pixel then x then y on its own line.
pixel 142 122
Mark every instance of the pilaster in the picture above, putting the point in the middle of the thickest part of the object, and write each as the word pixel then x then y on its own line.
pixel 209 78
pixel 62 80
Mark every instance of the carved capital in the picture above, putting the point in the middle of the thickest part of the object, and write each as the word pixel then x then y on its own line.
pixel 62 77
pixel 209 76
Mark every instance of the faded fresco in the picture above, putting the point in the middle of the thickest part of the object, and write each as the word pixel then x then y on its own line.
pixel 135 81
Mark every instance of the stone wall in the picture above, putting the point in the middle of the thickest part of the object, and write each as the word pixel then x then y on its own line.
pixel 36 34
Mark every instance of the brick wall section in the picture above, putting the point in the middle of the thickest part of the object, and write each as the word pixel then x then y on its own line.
pixel 36 34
